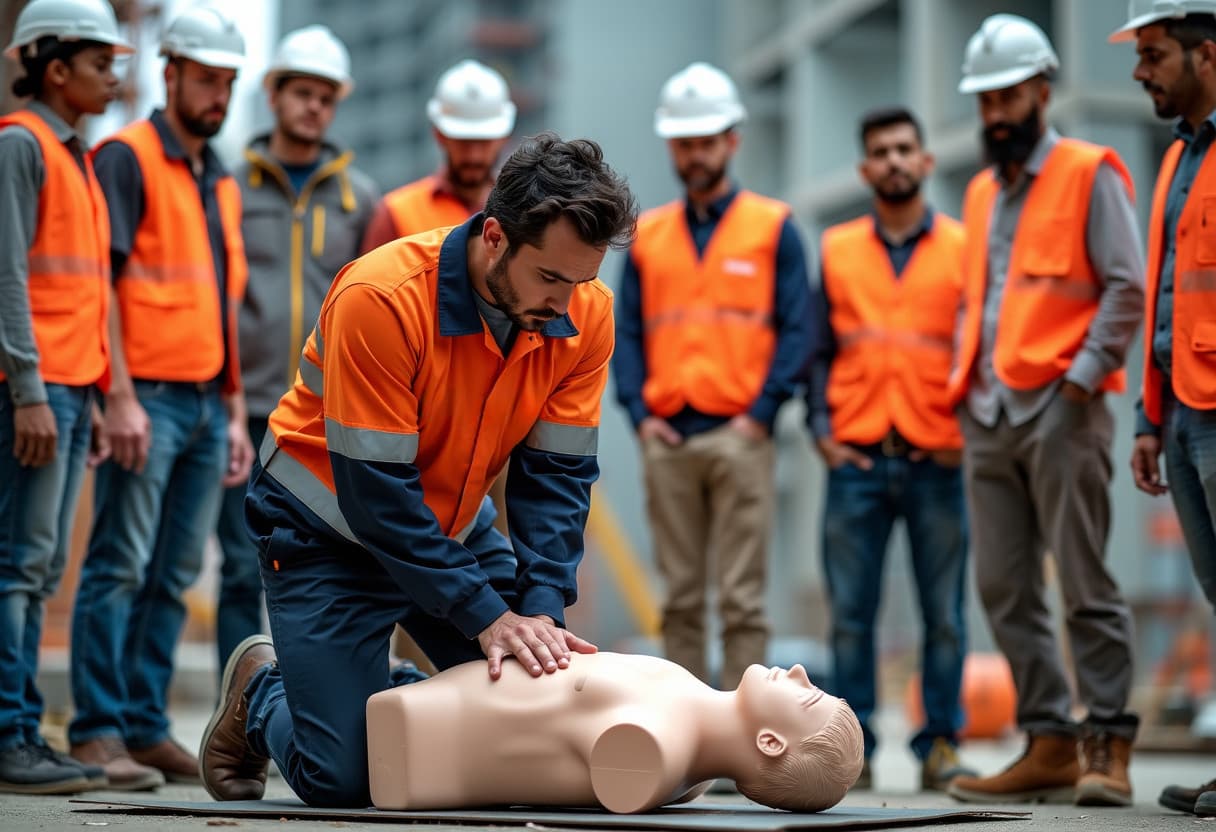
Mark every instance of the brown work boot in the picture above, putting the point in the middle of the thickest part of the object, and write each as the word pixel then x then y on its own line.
pixel 170 759
pixel 230 769
pixel 1045 773
pixel 122 772
pixel 1103 780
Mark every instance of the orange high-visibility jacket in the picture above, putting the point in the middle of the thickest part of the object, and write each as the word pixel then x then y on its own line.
pixel 894 335
pixel 381 380
pixel 69 265
pixel 421 206
pixel 708 321
pixel 1193 362
pixel 168 291
pixel 1051 291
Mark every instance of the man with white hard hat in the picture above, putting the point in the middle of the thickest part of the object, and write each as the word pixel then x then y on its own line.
pixel 54 291
pixel 471 116
pixel 305 208
pixel 174 414
pixel 1176 414
pixel 713 333
pixel 1053 289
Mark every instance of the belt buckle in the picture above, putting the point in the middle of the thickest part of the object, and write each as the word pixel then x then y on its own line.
pixel 894 445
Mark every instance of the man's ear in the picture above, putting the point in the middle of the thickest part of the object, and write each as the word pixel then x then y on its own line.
pixel 770 743
pixel 492 234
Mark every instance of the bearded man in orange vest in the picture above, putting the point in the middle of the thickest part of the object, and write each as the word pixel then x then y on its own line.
pixel 1053 297
pixel 1177 410
pixel 881 416
pixel 54 344
pixel 713 335
pixel 175 413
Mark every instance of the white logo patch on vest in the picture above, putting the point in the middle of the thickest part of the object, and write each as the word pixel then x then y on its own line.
pixel 743 268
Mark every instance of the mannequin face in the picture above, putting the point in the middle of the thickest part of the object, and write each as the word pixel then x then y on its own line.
pixel 783 707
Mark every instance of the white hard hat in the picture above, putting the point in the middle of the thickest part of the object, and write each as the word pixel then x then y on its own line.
pixel 67 20
pixel 1006 51
pixel 1141 13
pixel 313 50
pixel 206 36
pixel 471 101
pixel 699 100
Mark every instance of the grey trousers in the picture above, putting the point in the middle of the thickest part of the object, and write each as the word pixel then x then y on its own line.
pixel 1044 487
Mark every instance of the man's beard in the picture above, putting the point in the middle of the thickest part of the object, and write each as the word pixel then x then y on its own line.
pixel 507 299
pixel 1186 88
pixel 195 126
pixel 701 178
pixel 470 176
pixel 898 196
pixel 1017 145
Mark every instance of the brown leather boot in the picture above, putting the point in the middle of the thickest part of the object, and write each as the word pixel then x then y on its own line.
pixel 122 772
pixel 231 770
pixel 170 759
pixel 1045 773
pixel 1104 780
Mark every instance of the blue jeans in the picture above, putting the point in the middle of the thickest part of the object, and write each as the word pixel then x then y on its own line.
pixel 239 611
pixel 1190 467
pixel 862 507
pixel 145 550
pixel 332 609
pixel 37 507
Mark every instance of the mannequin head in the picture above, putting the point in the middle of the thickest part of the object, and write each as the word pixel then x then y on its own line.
pixel 809 743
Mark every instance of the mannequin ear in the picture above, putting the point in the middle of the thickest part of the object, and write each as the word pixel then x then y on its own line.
pixel 770 743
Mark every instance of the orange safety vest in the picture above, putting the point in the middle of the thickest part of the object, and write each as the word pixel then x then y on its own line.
pixel 895 335
pixel 168 291
pixel 1051 291
pixel 1193 371
pixel 69 265
pixel 708 320
pixel 422 205
pixel 449 404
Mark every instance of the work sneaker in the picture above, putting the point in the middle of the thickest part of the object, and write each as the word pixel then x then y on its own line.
pixel 230 769
pixel 27 770
pixel 1205 805
pixel 942 765
pixel 1104 781
pixel 96 775
pixel 1182 799
pixel 1046 772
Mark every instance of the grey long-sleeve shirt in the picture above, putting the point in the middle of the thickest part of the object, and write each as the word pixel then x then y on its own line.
pixel 1115 251
pixel 22 174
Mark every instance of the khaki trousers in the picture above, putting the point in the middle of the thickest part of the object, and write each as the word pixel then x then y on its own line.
pixel 710 503
pixel 1038 487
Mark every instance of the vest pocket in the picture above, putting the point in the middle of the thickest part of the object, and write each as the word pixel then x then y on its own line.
pixel 1203 338
pixel 1045 247
pixel 1205 242
pixel 165 295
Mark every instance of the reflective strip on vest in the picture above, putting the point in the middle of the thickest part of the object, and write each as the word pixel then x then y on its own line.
pixel 1199 280
pixel 312 377
pixel 707 316
pixel 306 488
pixel 167 273
pixel 1060 285
pixel 895 338
pixel 65 264
pixel 556 438
pixel 370 445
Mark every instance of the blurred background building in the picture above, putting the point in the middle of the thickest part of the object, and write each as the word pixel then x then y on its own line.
pixel 807 71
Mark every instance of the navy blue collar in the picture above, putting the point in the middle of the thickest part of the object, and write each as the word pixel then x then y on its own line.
pixel 922 230
pixel 1184 131
pixel 458 313
pixel 714 210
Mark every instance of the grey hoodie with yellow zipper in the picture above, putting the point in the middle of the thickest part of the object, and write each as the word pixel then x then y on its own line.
pixel 296 245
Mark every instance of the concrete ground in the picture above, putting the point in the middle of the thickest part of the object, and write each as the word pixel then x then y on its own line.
pixel 895 776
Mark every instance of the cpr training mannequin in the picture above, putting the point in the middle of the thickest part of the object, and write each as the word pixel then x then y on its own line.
pixel 628 733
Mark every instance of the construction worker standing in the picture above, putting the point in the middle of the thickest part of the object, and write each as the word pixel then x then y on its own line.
pixel 174 413
pixel 879 409
pixel 304 210
pixel 436 360
pixel 712 336
pixel 1053 295
pixel 1177 411
pixel 471 116
pixel 54 296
